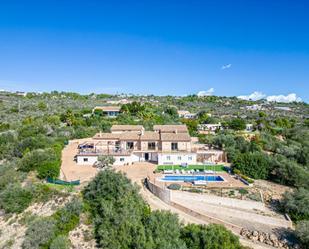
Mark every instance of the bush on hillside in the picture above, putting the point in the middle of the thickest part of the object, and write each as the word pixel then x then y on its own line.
pixel 14 198
pixel 209 237
pixel 302 232
pixel 296 204
pixel 163 230
pixel 253 164
pixel 39 233
pixel 60 242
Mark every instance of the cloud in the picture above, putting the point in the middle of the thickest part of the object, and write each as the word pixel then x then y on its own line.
pixel 226 66
pixel 209 92
pixel 253 96
pixel 291 97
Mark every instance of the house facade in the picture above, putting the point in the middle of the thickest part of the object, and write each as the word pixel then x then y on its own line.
pixel 186 114
pixel 107 111
pixel 166 144
pixel 209 128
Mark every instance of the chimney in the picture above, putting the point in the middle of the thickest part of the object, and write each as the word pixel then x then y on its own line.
pixel 100 134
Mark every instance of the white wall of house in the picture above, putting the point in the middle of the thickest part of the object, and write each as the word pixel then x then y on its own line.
pixel 86 160
pixel 176 158
pixel 152 156
pixel 119 160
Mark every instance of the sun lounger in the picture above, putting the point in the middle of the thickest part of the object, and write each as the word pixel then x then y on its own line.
pixel 200 182
pixel 208 171
pixel 168 171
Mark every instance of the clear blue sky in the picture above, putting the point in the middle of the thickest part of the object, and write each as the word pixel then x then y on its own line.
pixel 160 47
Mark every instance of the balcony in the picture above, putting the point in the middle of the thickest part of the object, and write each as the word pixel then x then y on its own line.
pixel 110 152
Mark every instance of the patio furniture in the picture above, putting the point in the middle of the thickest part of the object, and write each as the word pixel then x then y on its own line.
pixel 200 183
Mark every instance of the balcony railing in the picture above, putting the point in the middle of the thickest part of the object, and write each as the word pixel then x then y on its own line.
pixel 111 152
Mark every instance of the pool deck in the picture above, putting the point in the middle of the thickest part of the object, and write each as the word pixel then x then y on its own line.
pixel 229 181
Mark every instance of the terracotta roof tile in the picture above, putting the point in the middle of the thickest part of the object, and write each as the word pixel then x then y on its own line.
pixel 175 137
pixel 127 128
pixel 170 128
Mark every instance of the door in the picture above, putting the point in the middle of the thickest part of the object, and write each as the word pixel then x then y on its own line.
pixel 146 156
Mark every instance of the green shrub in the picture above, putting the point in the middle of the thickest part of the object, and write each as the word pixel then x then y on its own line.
pixel 174 186
pixel 243 191
pixel 302 232
pixel 43 192
pixel 162 230
pixel 50 232
pixel 195 190
pixel 60 242
pixel 39 233
pixel 255 165
pixel 209 237
pixel 15 199
pixel 49 169
pixel 118 211
pixel 8 174
pixel 296 204
pixel 67 218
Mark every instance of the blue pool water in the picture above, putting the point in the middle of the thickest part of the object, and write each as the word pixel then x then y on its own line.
pixel 172 178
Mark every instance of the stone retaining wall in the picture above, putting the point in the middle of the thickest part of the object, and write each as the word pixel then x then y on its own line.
pixel 163 194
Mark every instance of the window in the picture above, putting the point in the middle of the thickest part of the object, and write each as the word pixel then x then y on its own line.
pixel 85 159
pixel 130 145
pixel 117 145
pixel 190 158
pixel 151 145
pixel 168 158
pixel 121 159
pixel 179 158
pixel 174 146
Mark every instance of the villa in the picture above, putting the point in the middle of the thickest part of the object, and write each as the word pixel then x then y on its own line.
pixel 108 111
pixel 186 114
pixel 209 128
pixel 165 145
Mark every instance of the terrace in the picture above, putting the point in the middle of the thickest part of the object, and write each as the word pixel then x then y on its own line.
pixel 214 168
pixel 110 152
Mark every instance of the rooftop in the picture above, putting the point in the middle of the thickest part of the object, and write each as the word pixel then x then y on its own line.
pixel 170 128
pixel 127 128
pixel 108 108
pixel 175 137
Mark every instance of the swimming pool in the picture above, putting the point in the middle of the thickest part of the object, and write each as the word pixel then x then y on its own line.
pixel 186 178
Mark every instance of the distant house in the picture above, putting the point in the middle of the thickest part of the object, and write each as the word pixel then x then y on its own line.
pixel 119 102
pixel 108 111
pixel 283 108
pixel 21 93
pixel 209 128
pixel 254 107
pixel 186 114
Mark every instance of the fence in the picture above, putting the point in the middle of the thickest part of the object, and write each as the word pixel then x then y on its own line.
pixel 163 194
pixel 61 182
